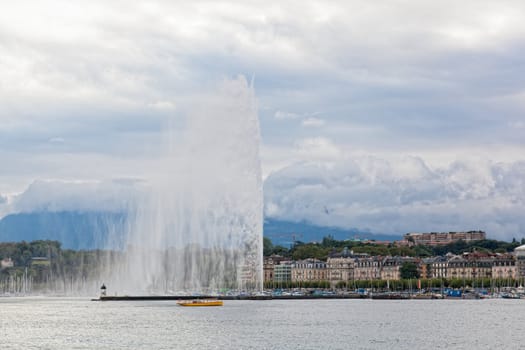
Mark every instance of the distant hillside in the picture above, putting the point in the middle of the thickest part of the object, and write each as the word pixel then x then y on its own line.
pixel 74 230
pixel 88 230
pixel 284 232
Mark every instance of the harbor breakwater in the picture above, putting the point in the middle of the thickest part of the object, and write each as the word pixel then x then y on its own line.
pixel 384 296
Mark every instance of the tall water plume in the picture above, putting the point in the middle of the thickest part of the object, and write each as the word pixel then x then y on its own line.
pixel 199 228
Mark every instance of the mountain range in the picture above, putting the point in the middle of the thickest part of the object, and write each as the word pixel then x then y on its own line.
pixel 90 230
pixel 75 230
pixel 286 233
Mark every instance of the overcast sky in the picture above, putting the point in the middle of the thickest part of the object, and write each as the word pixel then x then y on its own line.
pixel 393 116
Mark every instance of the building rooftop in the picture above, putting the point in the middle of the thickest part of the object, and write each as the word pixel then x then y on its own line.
pixel 521 248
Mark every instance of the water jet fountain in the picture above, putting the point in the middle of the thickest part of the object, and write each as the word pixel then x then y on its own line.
pixel 199 227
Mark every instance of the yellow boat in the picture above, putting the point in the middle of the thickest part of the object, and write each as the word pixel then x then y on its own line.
pixel 200 302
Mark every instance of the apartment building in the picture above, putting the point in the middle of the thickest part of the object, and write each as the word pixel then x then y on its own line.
pixel 308 270
pixel 442 238
pixel 269 264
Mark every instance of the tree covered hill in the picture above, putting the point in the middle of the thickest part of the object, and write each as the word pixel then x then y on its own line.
pixel 328 245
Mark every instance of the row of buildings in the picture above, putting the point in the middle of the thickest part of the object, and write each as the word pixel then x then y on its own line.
pixel 347 266
pixel 442 238
pixel 8 262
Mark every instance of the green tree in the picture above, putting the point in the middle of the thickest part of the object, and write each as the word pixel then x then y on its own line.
pixel 422 251
pixel 280 250
pixel 329 242
pixel 409 270
pixel 310 250
pixel 267 246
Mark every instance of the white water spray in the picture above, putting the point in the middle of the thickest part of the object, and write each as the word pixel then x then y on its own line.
pixel 199 228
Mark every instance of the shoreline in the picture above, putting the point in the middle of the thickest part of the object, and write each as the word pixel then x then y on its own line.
pixel 377 296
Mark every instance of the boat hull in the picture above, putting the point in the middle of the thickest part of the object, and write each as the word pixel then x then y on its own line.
pixel 201 303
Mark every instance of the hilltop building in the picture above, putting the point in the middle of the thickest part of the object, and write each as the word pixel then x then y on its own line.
pixel 442 238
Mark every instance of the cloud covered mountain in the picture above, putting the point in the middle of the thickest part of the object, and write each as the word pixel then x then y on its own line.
pixel 56 196
pixel 401 196
pixel 355 194
pixel 79 214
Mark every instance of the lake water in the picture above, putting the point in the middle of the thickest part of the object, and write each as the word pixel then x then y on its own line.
pixel 55 323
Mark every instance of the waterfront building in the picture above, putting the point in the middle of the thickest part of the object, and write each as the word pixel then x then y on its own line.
pixel 367 268
pixel 438 267
pixel 442 238
pixel 470 265
pixel 519 252
pixel 340 267
pixel 309 270
pixel 426 267
pixel 282 272
pixel 347 266
pixel 481 267
pixel 391 266
pixel 457 267
pixel 504 267
pixel 268 266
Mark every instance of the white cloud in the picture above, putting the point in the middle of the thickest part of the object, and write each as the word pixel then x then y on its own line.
pixel 402 195
pixel 59 195
pixel 519 124
pixel 162 105
pixel 317 148
pixel 57 140
pixel 286 115
pixel 313 122
pixel 439 80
